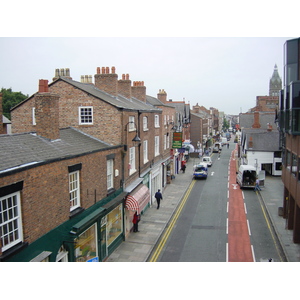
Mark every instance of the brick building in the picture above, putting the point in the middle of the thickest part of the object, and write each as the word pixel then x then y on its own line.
pixel 119 115
pixel 289 123
pixel 59 191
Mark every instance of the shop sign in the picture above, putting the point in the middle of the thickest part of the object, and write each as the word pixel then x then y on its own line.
pixel 94 259
pixel 177 140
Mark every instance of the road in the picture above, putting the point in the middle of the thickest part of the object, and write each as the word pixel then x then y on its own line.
pixel 219 222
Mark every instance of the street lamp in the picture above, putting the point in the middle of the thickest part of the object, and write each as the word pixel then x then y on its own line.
pixel 136 140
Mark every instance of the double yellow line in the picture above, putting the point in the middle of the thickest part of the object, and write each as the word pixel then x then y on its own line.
pixel 171 225
pixel 270 227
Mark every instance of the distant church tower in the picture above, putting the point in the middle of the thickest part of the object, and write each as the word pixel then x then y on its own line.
pixel 275 83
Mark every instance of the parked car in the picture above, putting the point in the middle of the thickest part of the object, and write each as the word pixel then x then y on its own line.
pixel 207 160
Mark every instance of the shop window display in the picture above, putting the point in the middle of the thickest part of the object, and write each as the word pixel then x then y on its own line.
pixel 86 245
pixel 114 224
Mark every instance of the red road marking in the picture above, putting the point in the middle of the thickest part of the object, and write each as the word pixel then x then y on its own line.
pixel 239 246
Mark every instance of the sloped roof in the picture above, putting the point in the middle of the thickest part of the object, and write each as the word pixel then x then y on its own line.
pixel 19 151
pixel 262 139
pixel 156 102
pixel 246 120
pixel 119 102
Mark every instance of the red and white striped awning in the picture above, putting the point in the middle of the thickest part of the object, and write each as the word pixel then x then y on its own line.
pixel 138 199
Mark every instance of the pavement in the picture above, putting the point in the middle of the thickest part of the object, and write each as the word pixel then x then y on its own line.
pixel 138 246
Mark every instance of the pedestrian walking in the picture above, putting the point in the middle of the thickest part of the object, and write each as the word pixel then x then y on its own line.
pixel 257 187
pixel 158 197
pixel 135 221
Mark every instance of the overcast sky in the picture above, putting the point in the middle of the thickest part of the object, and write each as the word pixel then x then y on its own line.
pixel 225 73
pixel 179 49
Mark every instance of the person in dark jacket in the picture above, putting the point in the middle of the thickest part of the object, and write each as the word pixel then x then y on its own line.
pixel 158 197
pixel 135 222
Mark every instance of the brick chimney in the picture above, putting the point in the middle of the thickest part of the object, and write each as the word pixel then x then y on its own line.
pixel 162 96
pixel 256 123
pixel 106 81
pixel 62 73
pixel 196 108
pixel 138 90
pixel 250 143
pixel 46 112
pixel 1 116
pixel 124 86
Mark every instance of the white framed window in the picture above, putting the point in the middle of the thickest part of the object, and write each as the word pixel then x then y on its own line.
pixel 145 151
pixel 165 119
pixel 165 141
pixel 131 125
pixel 10 220
pixel 33 116
pixel 145 123
pixel 132 160
pixel 74 190
pixel 156 145
pixel 156 120
pixel 168 141
pixel 85 115
pixel 110 175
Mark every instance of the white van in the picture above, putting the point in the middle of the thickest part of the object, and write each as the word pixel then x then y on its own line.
pixel 246 176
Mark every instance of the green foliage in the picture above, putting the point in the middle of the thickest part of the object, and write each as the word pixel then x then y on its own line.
pixel 225 124
pixel 10 99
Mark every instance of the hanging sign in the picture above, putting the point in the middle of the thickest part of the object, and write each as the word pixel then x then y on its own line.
pixel 177 140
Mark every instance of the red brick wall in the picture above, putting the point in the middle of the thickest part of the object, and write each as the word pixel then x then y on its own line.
pixel 45 195
pixel 106 122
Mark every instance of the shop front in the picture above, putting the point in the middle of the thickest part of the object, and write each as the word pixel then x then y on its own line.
pixel 89 237
pixel 137 201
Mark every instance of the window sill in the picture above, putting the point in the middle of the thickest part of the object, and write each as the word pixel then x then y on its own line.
pixel 13 250
pixel 76 212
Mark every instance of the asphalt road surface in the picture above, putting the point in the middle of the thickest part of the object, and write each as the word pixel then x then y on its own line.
pixel 219 222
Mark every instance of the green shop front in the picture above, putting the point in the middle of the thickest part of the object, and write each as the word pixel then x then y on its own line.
pixel 90 236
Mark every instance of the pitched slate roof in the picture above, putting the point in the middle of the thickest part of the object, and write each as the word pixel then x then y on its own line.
pixel 156 102
pixel 263 140
pixel 19 151
pixel 119 102
pixel 246 120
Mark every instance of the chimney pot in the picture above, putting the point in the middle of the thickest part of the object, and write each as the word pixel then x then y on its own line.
pixel 127 77
pixel 98 70
pixel 123 76
pixel 107 70
pixel 113 70
pixel 103 70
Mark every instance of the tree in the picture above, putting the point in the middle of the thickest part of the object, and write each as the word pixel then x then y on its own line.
pixel 10 99
pixel 225 124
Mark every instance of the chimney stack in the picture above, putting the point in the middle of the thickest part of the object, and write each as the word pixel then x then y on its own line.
pixel 46 112
pixel 162 96
pixel 256 123
pixel 1 116
pixel 124 86
pixel 138 90
pixel 106 81
pixel 62 73
pixel 86 79
pixel 250 143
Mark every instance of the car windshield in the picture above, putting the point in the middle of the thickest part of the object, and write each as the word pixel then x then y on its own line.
pixel 198 169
